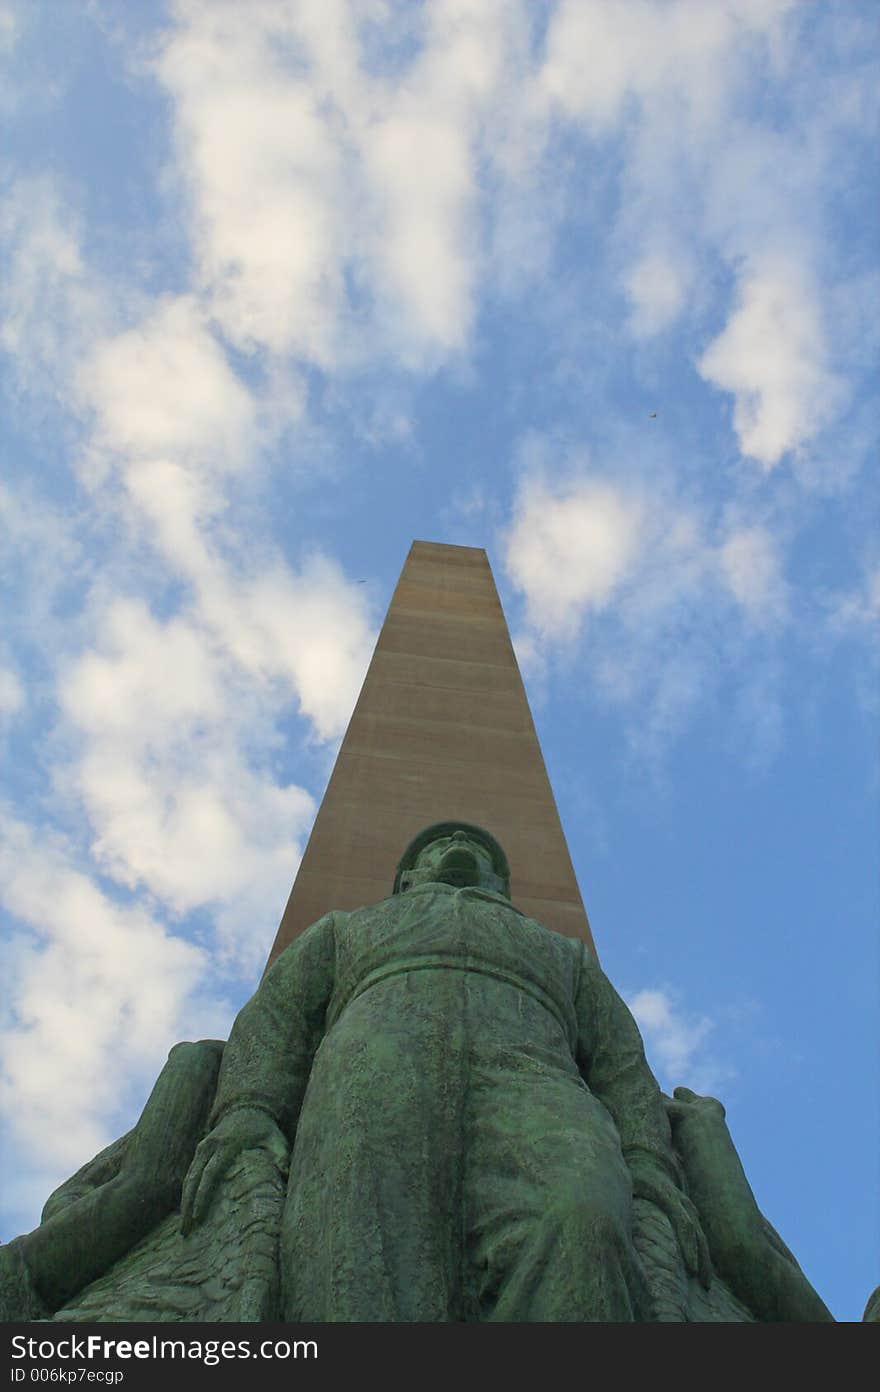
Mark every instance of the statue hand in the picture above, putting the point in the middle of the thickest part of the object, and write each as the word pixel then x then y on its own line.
pixel 651 1182
pixel 685 1105
pixel 245 1128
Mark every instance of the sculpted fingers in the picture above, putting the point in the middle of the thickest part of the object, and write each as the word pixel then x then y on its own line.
pixel 209 1163
pixel 244 1128
pixel 692 1241
pixel 191 1186
pixel 211 1175
pixel 687 1103
pixel 277 1146
pixel 704 1270
pixel 684 1219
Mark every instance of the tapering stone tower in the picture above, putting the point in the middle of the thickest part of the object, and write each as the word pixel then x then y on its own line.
pixel 442 729
pixel 432 1110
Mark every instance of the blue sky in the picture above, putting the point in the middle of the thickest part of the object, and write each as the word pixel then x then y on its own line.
pixel 593 285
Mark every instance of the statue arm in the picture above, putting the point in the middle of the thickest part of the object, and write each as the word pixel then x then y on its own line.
pixel 748 1252
pixel 611 1059
pixel 268 1058
pixel 266 1066
pixel 104 1167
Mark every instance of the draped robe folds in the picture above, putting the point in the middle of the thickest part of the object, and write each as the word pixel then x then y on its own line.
pixel 462 1089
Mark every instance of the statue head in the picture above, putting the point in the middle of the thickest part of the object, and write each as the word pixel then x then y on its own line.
pixel 454 853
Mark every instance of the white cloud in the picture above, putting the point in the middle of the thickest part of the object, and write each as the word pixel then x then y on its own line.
pixel 633 583
pixel 858 610
pixel 853 615
pixel 772 356
pixel 173 420
pixel 8 28
pixel 168 727
pixel 167 746
pixel 165 387
pixel 422 168
pixel 706 180
pixel 264 171
pixel 759 710
pixel 750 565
pixel 531 659
pixel 569 548
pixel 342 204
pixel 656 286
pixel 11 692
pixel 341 210
pixel 150 676
pixel 307 634
pixel 582 548
pixel 422 160
pixel 336 212
pixel 599 53
pixel 48 300
pixel 41 555
pixel 676 1043
pixel 313 630
pixel 99 991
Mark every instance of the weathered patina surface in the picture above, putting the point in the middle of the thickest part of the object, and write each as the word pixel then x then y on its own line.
pixel 471 1129
pixel 747 1251
pixel 471 1105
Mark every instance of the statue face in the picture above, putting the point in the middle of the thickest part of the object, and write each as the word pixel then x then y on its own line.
pixel 457 860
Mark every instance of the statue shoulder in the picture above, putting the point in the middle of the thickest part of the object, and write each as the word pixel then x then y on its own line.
pixel 315 942
pixel 573 949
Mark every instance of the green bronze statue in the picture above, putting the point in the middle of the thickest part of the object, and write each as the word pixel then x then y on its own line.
pixel 114 1201
pixel 747 1252
pixel 471 1107
pixel 432 1109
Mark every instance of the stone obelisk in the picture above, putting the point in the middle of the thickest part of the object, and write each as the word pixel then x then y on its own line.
pixel 353 1166
pixel 442 729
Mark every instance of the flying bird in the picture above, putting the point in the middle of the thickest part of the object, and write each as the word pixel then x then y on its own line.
pixel 653 415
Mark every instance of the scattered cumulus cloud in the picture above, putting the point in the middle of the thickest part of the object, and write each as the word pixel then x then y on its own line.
pixel 49 304
pixel 569 547
pixel 80 945
pixel 634 581
pixel 310 176
pixel 751 567
pixel 674 84
pixel 675 1042
pixel 852 616
pixel 858 609
pixel 171 726
pixel 339 212
pixel 162 775
pixel 8 28
pixel 656 286
pixel 650 67
pixel 760 709
pixel 41 554
pixel 11 692
pixel 599 54
pixel 161 742
pixel 164 388
pixel 772 357
pixel 263 173
pixel 311 630
pixel 351 212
